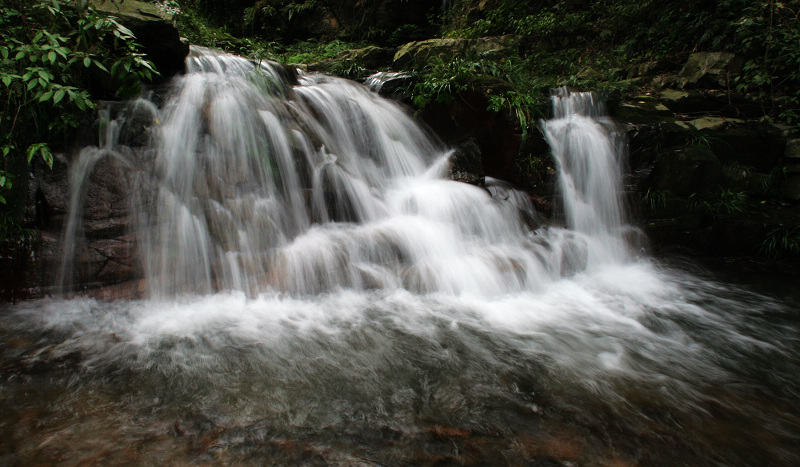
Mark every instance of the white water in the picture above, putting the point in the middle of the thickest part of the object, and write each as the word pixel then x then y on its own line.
pixel 263 186
pixel 314 274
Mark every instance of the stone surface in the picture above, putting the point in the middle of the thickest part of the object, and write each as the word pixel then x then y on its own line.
pixel 417 54
pixel 687 170
pixel 710 69
pixel 497 134
pixel 372 57
pixel 790 163
pixel 713 123
pixel 465 163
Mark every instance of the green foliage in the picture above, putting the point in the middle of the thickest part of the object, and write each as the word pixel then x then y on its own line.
pixel 51 54
pixel 782 241
pixel 347 69
pixel 11 230
pixel 657 198
pixel 440 80
pixel 199 30
pixel 723 201
pixel 769 37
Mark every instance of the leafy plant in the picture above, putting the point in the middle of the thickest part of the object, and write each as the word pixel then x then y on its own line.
pixel 781 241
pixel 51 54
pixel 11 230
pixel 657 198
pixel 723 201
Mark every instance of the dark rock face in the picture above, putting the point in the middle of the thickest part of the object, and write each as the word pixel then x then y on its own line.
pixel 710 69
pixel 466 164
pixel 790 164
pixel 105 250
pixel 496 134
pixel 688 170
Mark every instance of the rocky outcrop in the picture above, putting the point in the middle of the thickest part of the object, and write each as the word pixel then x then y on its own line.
pixel 711 70
pixel 416 54
pixel 713 183
pixel 154 30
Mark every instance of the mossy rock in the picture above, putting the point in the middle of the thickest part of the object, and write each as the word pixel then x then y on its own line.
pixel 417 54
pixel 372 57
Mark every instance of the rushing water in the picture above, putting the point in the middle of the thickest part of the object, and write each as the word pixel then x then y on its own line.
pixel 320 293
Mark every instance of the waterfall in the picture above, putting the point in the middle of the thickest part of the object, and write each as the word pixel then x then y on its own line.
pixel 588 149
pixel 263 180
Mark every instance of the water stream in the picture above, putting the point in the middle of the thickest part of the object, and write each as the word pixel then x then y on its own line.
pixel 321 293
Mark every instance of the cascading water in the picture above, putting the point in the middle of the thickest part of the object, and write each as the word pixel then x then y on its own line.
pixel 586 147
pixel 321 293
pixel 261 185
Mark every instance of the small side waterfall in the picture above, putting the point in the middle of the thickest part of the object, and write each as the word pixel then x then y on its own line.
pixel 587 148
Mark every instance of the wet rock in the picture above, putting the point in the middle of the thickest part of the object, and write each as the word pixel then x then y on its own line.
pixel 497 134
pixel 757 146
pixel 466 165
pixel 392 85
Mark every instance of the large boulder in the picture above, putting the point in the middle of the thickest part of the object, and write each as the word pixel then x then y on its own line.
pixel 710 69
pixel 417 54
pixel 154 30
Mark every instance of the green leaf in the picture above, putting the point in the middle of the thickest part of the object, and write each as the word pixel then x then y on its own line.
pixel 46 96
pixel 100 65
pixel 58 96
pixel 52 56
pixel 87 61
